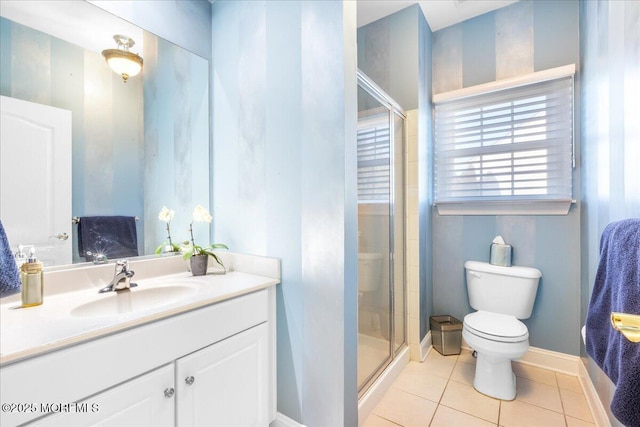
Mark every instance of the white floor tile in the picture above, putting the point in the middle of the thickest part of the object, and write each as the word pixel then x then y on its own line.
pixel 405 408
pixel 464 373
pixel 538 394
pixel 439 365
pixel 574 422
pixel 415 380
pixel 466 399
pixel 575 405
pixel 534 373
pixel 440 393
pixel 447 417
pixel 376 421
pixel 569 382
pixel 520 414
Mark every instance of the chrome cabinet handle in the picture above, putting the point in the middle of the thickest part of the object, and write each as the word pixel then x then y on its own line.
pixel 189 380
pixel 60 236
pixel 169 392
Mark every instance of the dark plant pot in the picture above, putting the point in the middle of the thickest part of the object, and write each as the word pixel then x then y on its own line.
pixel 199 264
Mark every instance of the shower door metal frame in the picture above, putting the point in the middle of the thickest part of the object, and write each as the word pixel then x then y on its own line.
pixel 394 109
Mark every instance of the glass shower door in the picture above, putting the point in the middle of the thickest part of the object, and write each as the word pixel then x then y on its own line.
pixel 381 301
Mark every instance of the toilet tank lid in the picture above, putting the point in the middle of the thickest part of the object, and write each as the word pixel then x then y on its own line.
pixel 485 267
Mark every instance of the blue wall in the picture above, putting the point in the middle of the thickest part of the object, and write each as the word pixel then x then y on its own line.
pixel 522 38
pixel 284 118
pixel 388 54
pixel 610 56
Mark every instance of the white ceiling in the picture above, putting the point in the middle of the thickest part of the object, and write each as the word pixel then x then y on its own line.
pixel 439 13
pixel 83 18
pixel 77 22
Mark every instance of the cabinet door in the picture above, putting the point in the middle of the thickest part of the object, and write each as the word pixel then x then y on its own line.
pixel 227 383
pixel 139 402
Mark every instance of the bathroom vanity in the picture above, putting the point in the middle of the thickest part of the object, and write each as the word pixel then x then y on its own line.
pixel 188 351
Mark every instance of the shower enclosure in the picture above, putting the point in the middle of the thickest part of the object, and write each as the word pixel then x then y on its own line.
pixel 381 231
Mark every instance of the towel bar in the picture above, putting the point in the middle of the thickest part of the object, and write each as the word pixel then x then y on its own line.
pixel 627 324
pixel 76 219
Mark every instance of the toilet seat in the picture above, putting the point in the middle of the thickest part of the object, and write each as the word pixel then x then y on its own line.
pixel 495 327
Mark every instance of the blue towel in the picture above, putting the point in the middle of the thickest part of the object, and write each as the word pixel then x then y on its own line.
pixel 617 288
pixel 113 236
pixel 9 275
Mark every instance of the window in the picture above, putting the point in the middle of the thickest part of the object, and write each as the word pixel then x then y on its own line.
pixel 506 150
pixel 374 158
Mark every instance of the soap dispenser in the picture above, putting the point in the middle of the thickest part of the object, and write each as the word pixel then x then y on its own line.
pixel 32 279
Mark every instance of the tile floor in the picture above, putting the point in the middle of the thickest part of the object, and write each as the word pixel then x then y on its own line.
pixel 440 393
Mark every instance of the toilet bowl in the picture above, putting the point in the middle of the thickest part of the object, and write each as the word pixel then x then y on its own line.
pixel 497 339
pixel 369 271
pixel 502 295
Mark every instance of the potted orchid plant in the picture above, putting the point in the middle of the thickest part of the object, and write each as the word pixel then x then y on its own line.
pixel 166 215
pixel 197 255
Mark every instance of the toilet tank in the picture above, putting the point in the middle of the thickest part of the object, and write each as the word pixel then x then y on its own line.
pixel 504 290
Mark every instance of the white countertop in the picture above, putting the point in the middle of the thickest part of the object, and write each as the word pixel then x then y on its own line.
pixel 28 332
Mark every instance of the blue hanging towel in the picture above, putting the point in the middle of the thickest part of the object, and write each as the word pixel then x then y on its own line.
pixel 113 236
pixel 9 275
pixel 617 289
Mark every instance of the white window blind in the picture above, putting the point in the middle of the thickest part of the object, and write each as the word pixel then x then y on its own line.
pixel 373 159
pixel 509 145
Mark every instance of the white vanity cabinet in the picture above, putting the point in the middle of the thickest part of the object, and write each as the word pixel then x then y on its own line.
pixel 225 384
pixel 213 365
pixel 144 401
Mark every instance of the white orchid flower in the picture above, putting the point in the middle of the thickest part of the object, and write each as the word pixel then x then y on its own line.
pixel 201 214
pixel 166 215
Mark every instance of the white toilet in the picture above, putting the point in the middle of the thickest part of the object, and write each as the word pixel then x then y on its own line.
pixel 502 295
pixel 369 271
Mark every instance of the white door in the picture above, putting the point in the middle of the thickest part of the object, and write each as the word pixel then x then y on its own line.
pixel 227 383
pixel 148 400
pixel 35 178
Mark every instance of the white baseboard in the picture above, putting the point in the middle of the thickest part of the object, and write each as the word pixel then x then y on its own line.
pixel 284 421
pixel 425 346
pixel 598 411
pixel 367 403
pixel 552 360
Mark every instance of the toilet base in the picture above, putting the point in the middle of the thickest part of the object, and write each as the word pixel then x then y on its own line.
pixel 495 378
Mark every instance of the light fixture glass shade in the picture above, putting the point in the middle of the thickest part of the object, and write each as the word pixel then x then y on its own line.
pixel 122 61
pixel 126 64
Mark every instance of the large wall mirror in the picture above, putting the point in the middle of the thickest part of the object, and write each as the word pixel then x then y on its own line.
pixel 135 146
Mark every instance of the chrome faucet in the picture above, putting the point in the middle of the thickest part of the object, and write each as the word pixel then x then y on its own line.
pixel 121 278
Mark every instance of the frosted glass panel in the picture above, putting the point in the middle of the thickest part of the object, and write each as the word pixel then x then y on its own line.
pixel 374 196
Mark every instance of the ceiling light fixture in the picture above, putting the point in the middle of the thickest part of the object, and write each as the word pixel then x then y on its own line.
pixel 123 62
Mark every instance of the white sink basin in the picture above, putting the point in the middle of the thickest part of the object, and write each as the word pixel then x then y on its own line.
pixel 136 299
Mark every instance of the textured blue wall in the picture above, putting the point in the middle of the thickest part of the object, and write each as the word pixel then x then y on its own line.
pixel 388 54
pixel 610 56
pixel 284 117
pixel 525 37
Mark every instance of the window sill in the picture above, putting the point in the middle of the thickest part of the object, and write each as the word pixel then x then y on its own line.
pixel 519 207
